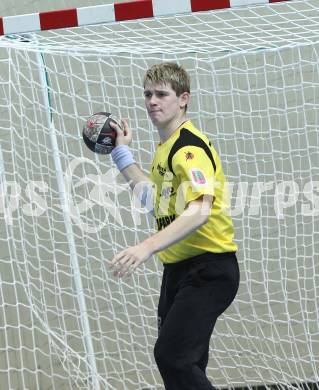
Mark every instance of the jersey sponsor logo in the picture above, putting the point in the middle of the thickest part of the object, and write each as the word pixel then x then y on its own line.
pixel 164 221
pixel 197 176
pixel 189 156
pixel 167 192
pixel 161 170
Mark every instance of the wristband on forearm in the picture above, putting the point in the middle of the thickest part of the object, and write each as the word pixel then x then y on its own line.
pixel 122 156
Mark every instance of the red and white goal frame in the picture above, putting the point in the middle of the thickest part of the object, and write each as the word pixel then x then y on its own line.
pixel 65 321
pixel 117 12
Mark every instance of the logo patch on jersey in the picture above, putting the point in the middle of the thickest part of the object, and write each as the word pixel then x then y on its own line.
pixel 165 221
pixel 189 156
pixel 197 176
pixel 161 170
pixel 167 192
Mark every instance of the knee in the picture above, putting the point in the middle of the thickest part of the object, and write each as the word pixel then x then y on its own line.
pixel 166 358
pixel 159 354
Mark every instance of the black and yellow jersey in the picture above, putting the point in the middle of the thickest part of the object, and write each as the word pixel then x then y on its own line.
pixel 184 168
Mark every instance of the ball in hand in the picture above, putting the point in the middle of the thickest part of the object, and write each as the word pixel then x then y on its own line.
pixel 97 133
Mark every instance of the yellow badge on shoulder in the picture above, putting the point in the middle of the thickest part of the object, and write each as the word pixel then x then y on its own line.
pixel 197 176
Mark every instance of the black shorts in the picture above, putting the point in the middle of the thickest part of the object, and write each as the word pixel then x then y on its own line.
pixel 217 272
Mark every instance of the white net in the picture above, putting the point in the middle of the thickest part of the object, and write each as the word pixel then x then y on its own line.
pixel 66 322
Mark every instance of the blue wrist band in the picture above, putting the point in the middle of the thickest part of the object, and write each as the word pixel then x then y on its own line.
pixel 122 156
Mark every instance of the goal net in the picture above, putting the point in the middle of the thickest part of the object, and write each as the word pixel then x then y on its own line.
pixel 66 322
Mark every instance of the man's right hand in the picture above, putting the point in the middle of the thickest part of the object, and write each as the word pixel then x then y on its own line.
pixel 123 133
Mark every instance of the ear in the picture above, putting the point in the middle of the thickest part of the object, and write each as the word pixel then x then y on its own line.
pixel 184 99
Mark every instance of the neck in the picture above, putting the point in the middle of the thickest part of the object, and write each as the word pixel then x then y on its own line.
pixel 168 129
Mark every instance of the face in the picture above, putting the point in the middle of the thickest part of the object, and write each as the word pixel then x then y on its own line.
pixel 162 104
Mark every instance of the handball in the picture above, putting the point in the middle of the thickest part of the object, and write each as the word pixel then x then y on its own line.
pixel 98 135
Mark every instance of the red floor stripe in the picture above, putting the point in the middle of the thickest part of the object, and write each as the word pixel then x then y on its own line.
pixel 1 26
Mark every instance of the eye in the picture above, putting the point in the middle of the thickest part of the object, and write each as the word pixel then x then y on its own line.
pixel 161 94
pixel 147 94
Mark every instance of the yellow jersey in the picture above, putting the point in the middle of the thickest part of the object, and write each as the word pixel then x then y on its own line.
pixel 184 168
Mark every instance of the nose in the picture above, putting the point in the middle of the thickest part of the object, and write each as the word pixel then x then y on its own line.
pixel 153 100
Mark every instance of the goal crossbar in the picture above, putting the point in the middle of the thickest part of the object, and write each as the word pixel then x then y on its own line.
pixel 116 12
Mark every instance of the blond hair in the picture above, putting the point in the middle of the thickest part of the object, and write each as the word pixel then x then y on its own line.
pixel 169 73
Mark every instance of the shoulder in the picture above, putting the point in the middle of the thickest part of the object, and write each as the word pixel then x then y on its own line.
pixel 191 137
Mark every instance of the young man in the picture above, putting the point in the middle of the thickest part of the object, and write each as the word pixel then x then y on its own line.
pixel 195 233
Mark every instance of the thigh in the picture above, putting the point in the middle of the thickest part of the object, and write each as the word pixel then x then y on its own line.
pixel 188 325
pixel 206 291
pixel 166 299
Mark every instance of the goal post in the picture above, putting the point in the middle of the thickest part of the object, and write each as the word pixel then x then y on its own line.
pixel 66 322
